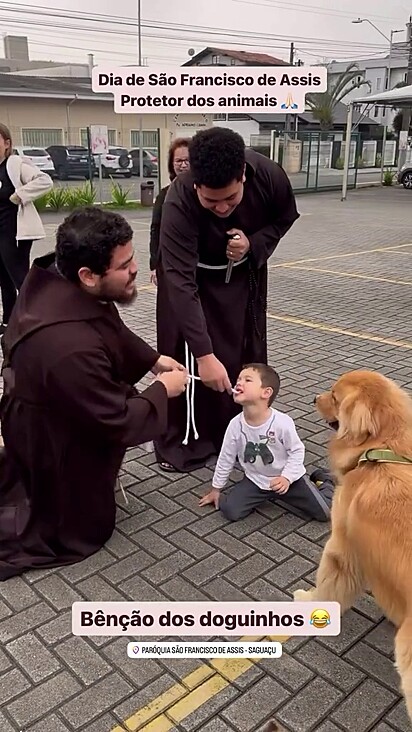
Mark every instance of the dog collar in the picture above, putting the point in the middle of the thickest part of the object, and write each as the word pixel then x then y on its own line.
pixel 383 456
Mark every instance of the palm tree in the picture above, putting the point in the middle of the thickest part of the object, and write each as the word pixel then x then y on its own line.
pixel 322 105
pixel 398 119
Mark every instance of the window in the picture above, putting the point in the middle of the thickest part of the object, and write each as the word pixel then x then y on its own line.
pixel 219 117
pixel 233 62
pixel 376 112
pixel 38 137
pixel 215 60
pixel 378 83
pixel 149 138
pixel 112 135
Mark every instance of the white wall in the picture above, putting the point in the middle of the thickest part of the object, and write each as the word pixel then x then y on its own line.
pixel 246 127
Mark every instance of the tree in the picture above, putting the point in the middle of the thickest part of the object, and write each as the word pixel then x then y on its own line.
pixel 322 105
pixel 398 118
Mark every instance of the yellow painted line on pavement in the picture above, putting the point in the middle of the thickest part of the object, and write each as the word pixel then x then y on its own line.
pixel 340 256
pixel 341 331
pixel 148 288
pixel 351 274
pixel 160 724
pixel 191 692
pixel 198 697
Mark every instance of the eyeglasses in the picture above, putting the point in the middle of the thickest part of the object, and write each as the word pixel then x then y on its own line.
pixel 181 162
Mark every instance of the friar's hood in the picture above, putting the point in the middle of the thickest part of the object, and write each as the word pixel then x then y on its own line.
pixel 46 298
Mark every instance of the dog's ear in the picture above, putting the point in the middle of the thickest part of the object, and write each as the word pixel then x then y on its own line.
pixel 272 727
pixel 356 419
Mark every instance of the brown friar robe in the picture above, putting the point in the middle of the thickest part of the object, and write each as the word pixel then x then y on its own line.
pixel 68 414
pixel 195 307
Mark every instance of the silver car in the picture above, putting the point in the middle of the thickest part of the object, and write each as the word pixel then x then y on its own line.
pixel 405 176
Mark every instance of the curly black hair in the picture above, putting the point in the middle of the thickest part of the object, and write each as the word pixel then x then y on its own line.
pixel 217 157
pixel 87 238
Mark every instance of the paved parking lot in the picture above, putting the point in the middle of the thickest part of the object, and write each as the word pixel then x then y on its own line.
pixel 340 298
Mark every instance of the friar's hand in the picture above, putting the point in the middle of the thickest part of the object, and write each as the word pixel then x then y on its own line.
pixel 237 248
pixel 166 363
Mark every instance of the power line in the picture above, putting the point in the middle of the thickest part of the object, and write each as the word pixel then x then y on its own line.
pixel 187 28
pixel 308 8
pixel 270 45
pixel 312 9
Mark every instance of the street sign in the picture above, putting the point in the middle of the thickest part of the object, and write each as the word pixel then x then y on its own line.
pixel 99 137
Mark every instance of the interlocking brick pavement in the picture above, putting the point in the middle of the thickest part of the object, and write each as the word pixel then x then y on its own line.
pixel 166 548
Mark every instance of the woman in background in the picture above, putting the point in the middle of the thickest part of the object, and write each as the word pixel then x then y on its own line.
pixel 20 184
pixel 178 162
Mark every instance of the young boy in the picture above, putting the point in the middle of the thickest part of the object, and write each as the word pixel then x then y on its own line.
pixel 270 453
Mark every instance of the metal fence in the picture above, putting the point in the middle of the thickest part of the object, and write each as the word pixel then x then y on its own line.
pixel 42 137
pixel 315 160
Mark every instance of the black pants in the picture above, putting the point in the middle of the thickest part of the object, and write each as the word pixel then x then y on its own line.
pixel 14 266
pixel 240 500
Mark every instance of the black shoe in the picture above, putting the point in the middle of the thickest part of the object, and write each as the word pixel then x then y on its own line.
pixel 3 328
pixel 320 475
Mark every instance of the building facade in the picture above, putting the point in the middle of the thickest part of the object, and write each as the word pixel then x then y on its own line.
pixel 43 112
pixel 374 70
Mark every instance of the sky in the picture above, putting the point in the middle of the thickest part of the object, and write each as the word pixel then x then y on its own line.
pixel 320 29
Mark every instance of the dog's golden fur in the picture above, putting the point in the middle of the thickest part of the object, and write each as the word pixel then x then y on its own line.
pixel 370 547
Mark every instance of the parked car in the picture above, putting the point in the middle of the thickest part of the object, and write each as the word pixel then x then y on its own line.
pixel 116 161
pixel 71 161
pixel 150 163
pixel 405 176
pixel 38 156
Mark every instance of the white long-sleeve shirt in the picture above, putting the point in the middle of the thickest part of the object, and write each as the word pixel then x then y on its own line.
pixel 279 435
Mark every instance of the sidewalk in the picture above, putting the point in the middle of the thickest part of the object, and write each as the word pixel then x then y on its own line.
pixel 340 298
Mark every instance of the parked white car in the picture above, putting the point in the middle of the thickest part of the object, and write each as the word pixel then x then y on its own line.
pixel 116 161
pixel 38 156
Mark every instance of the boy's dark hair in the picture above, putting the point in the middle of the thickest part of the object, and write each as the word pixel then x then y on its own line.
pixel 217 157
pixel 87 238
pixel 268 376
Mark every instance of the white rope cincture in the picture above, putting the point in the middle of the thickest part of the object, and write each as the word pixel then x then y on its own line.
pixel 220 266
pixel 190 396
pixel 119 485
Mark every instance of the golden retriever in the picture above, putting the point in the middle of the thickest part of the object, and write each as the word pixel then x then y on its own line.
pixel 370 547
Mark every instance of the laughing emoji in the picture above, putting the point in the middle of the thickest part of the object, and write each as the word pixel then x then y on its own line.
pixel 320 618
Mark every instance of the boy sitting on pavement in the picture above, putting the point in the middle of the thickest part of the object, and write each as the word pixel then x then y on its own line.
pixel 270 452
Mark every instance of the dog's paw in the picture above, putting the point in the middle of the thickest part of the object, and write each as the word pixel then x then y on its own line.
pixel 273 727
pixel 302 595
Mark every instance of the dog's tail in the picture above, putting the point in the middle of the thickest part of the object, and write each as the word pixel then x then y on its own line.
pixel 403 660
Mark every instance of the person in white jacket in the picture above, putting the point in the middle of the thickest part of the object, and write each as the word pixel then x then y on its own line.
pixel 21 183
pixel 271 455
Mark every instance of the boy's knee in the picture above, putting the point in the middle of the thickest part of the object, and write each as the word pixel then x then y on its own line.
pixel 230 510
pixel 322 515
pixel 230 513
pixel 322 508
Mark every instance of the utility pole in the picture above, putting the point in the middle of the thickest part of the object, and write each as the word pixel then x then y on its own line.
pixel 139 45
pixel 288 118
pixel 406 116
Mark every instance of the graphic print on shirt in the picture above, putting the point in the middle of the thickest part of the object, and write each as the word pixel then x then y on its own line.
pixel 259 449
